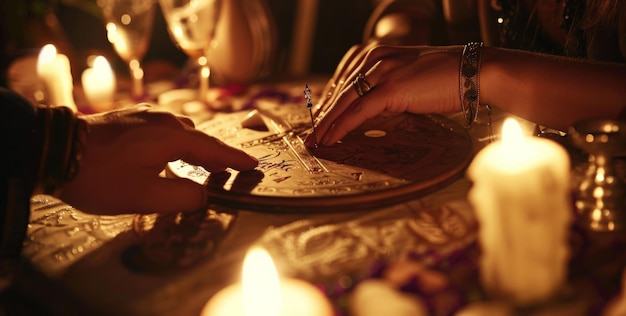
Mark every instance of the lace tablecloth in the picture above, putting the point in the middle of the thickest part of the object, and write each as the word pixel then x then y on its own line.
pixel 171 266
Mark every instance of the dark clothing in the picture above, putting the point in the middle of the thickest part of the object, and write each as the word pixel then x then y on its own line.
pixel 22 139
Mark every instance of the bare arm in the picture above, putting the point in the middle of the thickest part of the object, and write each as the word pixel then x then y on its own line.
pixel 551 90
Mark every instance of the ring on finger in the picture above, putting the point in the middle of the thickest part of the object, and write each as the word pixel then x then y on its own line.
pixel 361 85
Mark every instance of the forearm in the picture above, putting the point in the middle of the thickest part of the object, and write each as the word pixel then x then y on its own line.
pixel 551 90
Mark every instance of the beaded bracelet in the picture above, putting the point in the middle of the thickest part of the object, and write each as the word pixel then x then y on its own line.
pixel 64 140
pixel 469 81
pixel 57 156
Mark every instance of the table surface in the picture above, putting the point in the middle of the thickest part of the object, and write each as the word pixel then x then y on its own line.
pixel 149 265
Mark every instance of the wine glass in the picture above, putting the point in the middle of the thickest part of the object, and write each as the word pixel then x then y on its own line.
pixel 192 25
pixel 129 28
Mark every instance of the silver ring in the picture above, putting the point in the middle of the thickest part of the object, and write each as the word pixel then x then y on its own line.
pixel 361 85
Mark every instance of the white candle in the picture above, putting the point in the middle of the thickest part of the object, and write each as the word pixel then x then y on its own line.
pixel 99 84
pixel 55 72
pixel 376 297
pixel 522 201
pixel 262 292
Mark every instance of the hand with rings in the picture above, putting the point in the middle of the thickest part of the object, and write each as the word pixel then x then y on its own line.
pixel 372 79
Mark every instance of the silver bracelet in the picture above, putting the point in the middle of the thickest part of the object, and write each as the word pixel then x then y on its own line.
pixel 469 81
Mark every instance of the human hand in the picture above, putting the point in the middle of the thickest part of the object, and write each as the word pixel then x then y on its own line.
pixel 417 79
pixel 126 150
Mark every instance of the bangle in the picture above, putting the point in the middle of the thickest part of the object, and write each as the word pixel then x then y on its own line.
pixel 59 151
pixel 80 139
pixel 469 81
pixel 64 139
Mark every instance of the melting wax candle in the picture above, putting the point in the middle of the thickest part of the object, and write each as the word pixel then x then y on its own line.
pixel 55 72
pixel 99 84
pixel 263 293
pixel 521 196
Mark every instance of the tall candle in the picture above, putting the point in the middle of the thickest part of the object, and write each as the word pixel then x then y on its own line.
pixel 99 84
pixel 55 72
pixel 263 293
pixel 521 197
pixel 376 297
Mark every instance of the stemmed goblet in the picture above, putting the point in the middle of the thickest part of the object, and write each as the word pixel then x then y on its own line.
pixel 129 28
pixel 192 25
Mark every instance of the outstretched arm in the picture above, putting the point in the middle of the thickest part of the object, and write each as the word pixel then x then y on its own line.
pixel 552 91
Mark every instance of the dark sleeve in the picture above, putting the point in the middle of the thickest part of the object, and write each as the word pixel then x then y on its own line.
pixel 621 36
pixel 21 146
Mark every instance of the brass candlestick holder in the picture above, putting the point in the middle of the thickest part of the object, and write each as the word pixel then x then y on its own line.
pixel 600 192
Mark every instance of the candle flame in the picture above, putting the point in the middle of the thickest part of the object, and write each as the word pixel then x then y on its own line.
pixel 515 152
pixel 261 285
pixel 47 54
pixel 111 32
pixel 101 65
pixel 512 132
pixel 99 83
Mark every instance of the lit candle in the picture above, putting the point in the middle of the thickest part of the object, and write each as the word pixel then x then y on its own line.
pixel 99 84
pixel 262 292
pixel 55 72
pixel 375 297
pixel 522 201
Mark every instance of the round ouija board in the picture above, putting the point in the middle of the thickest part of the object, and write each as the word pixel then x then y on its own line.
pixel 389 159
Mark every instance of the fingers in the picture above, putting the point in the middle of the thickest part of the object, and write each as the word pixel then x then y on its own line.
pixel 144 141
pixel 361 58
pixel 151 138
pixel 346 106
pixel 349 103
pixel 140 114
pixel 186 121
pixel 357 60
pixel 166 195
pixel 129 181
pixel 352 59
pixel 160 116
pixel 330 87
pixel 194 147
pixel 355 114
pixel 198 148
pixel 144 193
